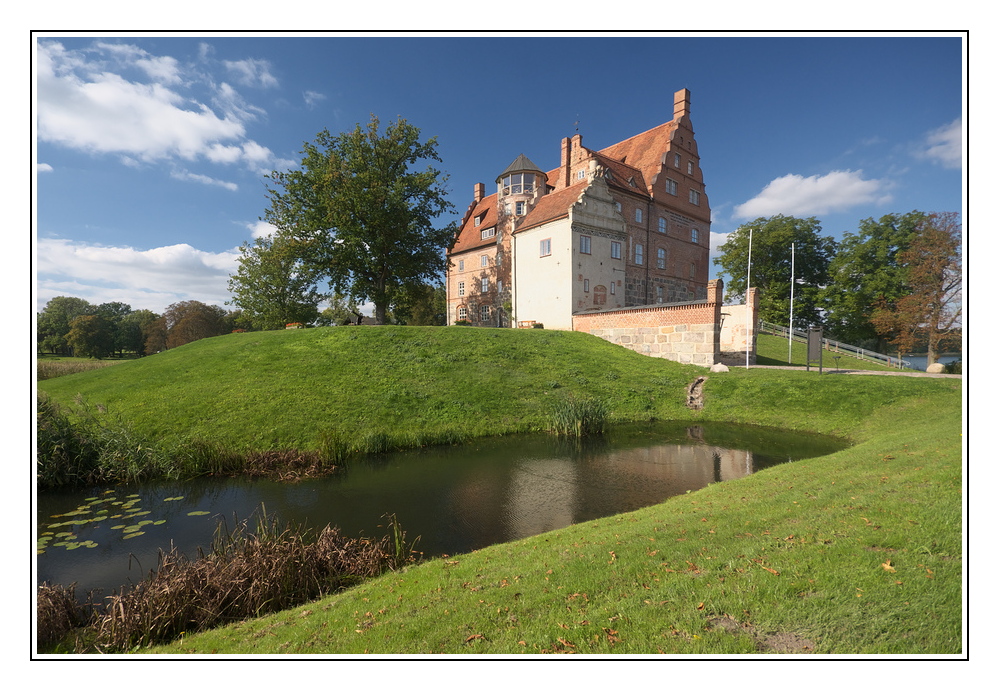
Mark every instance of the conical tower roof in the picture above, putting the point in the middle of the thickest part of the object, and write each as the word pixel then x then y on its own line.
pixel 520 164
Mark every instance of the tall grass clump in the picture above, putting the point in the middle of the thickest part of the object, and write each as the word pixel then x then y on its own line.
pixel 246 573
pixel 58 613
pixel 578 417
pixel 89 445
pixel 50 369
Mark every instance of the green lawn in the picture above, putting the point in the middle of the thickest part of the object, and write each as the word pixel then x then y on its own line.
pixel 852 553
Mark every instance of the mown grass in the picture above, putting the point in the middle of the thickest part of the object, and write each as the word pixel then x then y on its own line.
pixel 772 350
pixel 856 552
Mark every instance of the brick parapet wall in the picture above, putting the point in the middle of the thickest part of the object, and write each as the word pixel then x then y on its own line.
pixel 684 332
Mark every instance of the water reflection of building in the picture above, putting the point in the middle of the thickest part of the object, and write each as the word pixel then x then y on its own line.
pixel 548 494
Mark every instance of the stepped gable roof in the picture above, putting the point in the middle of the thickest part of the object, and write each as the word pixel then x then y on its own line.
pixel 644 151
pixel 552 206
pixel 468 237
pixel 522 162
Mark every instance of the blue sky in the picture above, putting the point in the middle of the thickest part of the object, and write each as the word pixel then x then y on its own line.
pixel 151 150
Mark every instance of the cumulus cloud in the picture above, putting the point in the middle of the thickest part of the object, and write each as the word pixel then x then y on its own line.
pixel 944 145
pixel 145 279
pixel 259 229
pixel 43 168
pixel 86 102
pixel 795 195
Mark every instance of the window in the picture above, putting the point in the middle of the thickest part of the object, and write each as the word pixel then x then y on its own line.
pixel 584 244
pixel 462 313
pixel 659 293
pixel 662 224
pixel 521 208
pixel 695 197
pixel 499 260
pixel 617 206
pixel 484 260
pixel 690 167
pixel 586 285
pixel 518 183
pixel 478 221
pixel 639 254
pixel 488 232
pixel 638 215
pixel 580 174
pixel 499 286
pixel 615 250
pixel 671 186
pixel 676 160
pixel 484 312
pixel 485 285
pixel 613 286
pixel 694 235
pixel 546 247
pixel 461 289
pixel 461 265
pixel 661 258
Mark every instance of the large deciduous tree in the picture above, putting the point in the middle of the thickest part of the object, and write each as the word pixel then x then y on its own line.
pixel 932 307
pixel 53 322
pixel 92 335
pixel 184 322
pixel 274 285
pixel 771 266
pixel 360 212
pixel 867 271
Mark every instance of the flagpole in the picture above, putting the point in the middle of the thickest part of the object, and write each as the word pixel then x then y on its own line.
pixel 790 323
pixel 749 264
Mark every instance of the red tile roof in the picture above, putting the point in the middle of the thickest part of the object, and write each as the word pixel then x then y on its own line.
pixel 552 206
pixel 469 236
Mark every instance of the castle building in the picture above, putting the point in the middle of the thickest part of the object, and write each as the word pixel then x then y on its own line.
pixel 624 226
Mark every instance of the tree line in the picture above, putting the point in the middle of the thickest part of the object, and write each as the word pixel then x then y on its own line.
pixel 894 284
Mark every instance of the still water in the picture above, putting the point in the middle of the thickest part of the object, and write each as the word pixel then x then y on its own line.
pixel 456 499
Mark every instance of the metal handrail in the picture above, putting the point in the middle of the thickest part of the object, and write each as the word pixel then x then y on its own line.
pixel 837 346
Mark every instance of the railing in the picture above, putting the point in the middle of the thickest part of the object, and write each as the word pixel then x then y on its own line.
pixel 836 346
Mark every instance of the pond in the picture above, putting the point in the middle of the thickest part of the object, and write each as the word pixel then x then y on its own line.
pixel 456 498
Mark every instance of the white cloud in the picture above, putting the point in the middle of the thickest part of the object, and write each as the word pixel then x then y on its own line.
pixel 944 145
pixel 795 195
pixel 313 98
pixel 43 168
pixel 85 103
pixel 252 72
pixel 259 229
pixel 188 176
pixel 145 279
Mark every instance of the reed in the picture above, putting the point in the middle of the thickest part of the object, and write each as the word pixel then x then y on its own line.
pixel 578 417
pixel 246 572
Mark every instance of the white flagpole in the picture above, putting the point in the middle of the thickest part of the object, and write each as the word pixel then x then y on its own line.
pixel 749 264
pixel 790 323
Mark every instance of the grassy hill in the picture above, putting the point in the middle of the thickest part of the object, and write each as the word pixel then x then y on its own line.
pixel 856 552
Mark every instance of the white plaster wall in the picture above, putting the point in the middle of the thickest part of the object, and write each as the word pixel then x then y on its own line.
pixel 541 284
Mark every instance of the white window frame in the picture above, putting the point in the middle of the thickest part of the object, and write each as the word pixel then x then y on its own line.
pixel 671 187
pixel 662 224
pixel 461 265
pixel 584 244
pixel 488 233
pixel 462 313
pixel 545 247
pixel 521 208
pixel 484 260
pixel 484 285
pixel 586 285
pixel 484 312
pixel 613 287
pixel 639 254
pixel 615 250
pixel 695 197
pixel 638 215
pixel 661 258
pixel 690 167
pixel 461 289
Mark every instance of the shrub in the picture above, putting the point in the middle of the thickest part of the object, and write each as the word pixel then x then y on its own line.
pixel 574 417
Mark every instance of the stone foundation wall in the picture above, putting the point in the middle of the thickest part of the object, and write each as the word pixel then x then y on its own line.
pixel 684 332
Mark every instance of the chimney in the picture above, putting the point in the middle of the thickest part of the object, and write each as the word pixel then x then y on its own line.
pixel 681 104
pixel 480 192
pixel 566 161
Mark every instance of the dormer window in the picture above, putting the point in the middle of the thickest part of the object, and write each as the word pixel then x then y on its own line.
pixel 518 183
pixel 478 221
pixel 488 233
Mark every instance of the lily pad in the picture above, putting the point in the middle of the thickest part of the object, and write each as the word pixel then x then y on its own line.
pixel 198 513
pixel 133 535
